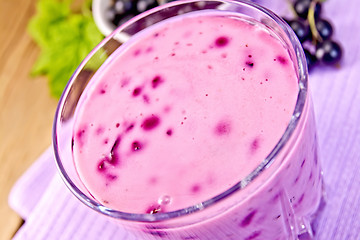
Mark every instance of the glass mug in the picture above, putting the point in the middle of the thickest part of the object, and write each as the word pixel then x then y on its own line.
pixel 277 199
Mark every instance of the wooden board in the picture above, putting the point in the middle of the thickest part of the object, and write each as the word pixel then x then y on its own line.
pixel 26 108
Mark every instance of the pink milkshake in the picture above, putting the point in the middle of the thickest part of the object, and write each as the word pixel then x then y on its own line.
pixel 189 109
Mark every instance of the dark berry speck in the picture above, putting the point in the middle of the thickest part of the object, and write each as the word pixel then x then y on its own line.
pixel 169 132
pixel 101 165
pixel 221 41
pixel 111 177
pixel 281 60
pixel 247 220
pixel 150 123
pixel 249 63
pixel 136 146
pixel 223 128
pixel 137 52
pixel 253 235
pixel 254 145
pixel 303 163
pixel 195 188
pixel 137 91
pixel 157 80
pixel 301 198
pixel 146 99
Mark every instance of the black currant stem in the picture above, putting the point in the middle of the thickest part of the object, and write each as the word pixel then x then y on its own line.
pixel 312 24
pixel 311 19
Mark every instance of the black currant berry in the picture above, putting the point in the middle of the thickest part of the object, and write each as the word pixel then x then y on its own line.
pixel 329 52
pixel 110 14
pixel 324 29
pixel 123 18
pixel 124 6
pixel 143 5
pixel 310 59
pixel 301 30
pixel 301 8
pixel 120 10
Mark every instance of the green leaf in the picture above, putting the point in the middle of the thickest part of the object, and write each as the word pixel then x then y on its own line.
pixel 65 39
pixel 48 13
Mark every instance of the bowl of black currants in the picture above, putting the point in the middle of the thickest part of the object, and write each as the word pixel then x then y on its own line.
pixel 109 14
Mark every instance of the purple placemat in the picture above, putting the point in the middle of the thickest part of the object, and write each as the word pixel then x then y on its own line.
pixel 51 212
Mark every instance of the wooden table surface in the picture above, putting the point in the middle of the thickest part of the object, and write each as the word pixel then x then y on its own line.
pixel 26 107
